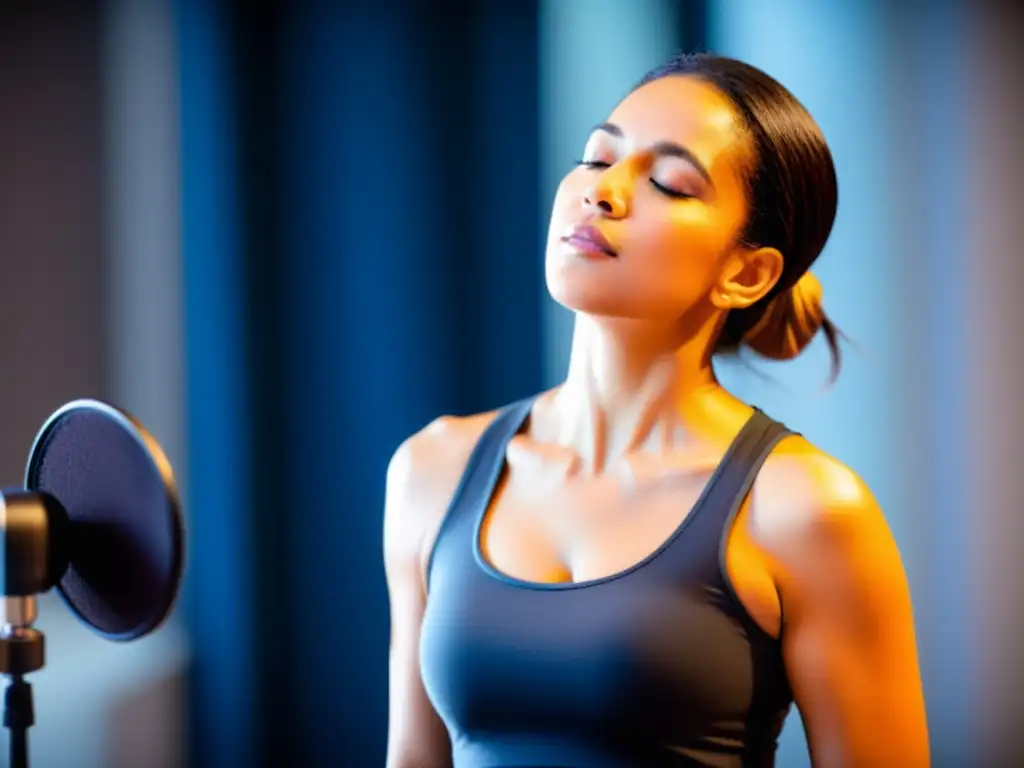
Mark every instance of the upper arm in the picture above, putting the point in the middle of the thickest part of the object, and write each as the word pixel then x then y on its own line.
pixel 416 736
pixel 848 633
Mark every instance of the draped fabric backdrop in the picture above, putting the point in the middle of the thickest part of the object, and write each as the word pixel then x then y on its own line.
pixel 362 253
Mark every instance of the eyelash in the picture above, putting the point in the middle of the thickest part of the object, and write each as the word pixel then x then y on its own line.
pixel 596 165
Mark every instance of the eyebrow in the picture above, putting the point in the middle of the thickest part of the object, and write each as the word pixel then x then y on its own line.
pixel 664 149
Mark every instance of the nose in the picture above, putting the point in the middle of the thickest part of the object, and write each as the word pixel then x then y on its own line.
pixel 607 196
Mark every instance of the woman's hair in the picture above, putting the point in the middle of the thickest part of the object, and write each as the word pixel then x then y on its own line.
pixel 792 190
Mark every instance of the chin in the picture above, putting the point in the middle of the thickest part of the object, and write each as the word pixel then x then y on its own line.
pixel 611 300
pixel 609 290
pixel 590 297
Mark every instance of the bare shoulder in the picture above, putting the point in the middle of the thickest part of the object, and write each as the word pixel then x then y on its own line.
pixel 429 459
pixel 798 471
pixel 848 636
pixel 422 477
pixel 809 508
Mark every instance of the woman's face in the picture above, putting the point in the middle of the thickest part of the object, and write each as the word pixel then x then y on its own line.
pixel 662 183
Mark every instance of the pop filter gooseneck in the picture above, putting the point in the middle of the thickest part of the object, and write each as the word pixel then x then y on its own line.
pixel 99 519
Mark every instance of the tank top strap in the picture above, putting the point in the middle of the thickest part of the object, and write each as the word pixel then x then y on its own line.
pixel 722 503
pixel 482 470
pixel 735 475
pixel 710 518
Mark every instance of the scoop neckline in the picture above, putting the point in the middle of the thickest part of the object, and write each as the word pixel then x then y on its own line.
pixel 483 505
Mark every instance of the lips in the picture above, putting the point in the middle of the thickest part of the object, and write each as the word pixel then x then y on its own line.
pixel 589 240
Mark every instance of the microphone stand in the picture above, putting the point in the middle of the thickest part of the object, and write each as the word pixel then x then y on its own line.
pixel 21 652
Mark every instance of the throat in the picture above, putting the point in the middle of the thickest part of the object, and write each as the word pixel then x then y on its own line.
pixel 605 435
pixel 665 413
pixel 631 387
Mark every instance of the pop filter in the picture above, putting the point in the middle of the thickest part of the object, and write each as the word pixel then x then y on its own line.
pixel 99 518
pixel 124 538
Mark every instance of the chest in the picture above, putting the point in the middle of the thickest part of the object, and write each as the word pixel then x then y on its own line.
pixel 627 655
pixel 545 524
pixel 590 606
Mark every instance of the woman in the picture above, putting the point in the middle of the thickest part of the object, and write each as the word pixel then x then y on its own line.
pixel 635 568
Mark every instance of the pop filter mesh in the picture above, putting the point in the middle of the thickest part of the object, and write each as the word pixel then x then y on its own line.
pixel 125 534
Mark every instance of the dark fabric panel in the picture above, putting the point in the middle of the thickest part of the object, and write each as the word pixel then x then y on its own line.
pixel 362 243
pixel 220 599
pixel 404 140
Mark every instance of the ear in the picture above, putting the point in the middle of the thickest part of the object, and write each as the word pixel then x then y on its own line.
pixel 747 274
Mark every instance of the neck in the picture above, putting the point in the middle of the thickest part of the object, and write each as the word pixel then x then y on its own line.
pixel 630 386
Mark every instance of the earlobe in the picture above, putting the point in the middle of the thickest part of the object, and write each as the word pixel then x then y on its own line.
pixel 721 299
pixel 746 277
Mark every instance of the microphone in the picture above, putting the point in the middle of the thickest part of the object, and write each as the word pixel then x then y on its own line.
pixel 100 520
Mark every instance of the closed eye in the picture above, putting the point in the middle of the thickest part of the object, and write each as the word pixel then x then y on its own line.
pixel 673 193
pixel 667 191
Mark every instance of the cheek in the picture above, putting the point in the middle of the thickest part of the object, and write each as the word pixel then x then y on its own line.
pixel 681 238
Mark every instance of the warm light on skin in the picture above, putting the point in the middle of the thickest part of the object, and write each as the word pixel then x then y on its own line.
pixel 646 321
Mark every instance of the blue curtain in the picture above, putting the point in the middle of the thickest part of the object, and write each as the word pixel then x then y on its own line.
pixel 362 252
pixel 219 597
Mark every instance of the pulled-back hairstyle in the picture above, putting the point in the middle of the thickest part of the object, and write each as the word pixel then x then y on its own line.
pixel 792 192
